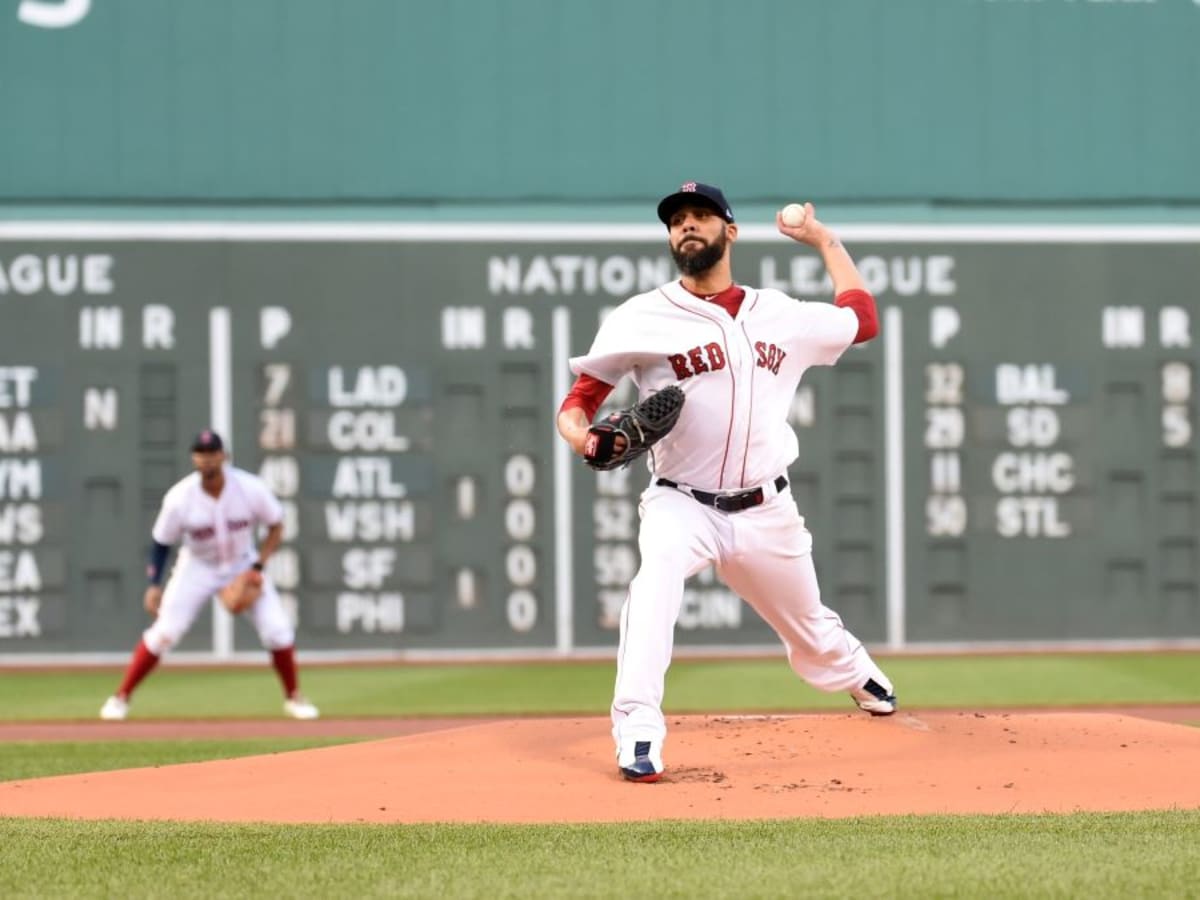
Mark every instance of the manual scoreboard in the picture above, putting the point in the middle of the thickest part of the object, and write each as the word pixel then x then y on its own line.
pixel 1014 459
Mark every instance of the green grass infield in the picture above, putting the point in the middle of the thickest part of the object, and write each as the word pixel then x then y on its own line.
pixel 584 688
pixel 1083 855
pixel 37 759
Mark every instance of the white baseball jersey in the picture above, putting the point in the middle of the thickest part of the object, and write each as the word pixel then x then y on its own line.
pixel 739 374
pixel 219 531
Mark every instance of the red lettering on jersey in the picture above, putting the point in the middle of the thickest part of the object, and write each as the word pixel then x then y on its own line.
pixel 716 356
pixel 769 356
pixel 780 353
pixel 679 363
pixel 692 363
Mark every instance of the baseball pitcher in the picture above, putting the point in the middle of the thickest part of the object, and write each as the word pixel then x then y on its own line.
pixel 717 365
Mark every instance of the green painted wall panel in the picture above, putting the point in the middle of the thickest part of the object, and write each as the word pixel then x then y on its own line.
pixel 538 100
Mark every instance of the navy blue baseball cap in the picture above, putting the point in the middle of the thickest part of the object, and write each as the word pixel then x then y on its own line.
pixel 695 194
pixel 207 441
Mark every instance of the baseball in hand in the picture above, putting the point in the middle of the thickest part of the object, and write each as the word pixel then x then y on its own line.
pixel 793 215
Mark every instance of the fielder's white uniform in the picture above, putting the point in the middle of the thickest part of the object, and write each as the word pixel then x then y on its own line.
pixel 740 376
pixel 219 543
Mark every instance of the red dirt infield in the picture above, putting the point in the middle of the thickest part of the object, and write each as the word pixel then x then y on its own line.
pixel 718 767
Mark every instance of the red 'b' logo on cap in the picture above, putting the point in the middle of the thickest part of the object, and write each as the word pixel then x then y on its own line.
pixel 688 186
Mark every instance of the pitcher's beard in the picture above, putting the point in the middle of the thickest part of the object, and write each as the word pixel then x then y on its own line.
pixel 693 263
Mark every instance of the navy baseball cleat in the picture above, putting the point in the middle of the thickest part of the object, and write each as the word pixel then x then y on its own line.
pixel 874 698
pixel 642 769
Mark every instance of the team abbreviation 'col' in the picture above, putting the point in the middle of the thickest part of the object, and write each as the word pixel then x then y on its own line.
pixel 371 429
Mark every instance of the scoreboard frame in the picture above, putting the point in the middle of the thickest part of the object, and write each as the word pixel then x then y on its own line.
pixel 895 636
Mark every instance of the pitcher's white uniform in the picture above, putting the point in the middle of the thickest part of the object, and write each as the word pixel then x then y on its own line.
pixel 218 535
pixel 740 375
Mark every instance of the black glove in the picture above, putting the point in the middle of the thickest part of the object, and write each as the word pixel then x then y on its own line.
pixel 641 425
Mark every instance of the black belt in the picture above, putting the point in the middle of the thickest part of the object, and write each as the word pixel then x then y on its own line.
pixel 728 502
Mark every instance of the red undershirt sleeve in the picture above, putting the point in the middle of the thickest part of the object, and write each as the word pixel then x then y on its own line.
pixel 587 394
pixel 863 305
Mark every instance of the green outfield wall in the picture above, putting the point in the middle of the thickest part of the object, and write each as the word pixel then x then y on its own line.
pixel 484 101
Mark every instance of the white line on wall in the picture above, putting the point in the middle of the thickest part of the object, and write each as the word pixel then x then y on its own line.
pixel 220 384
pixel 569 232
pixel 564 575
pixel 893 380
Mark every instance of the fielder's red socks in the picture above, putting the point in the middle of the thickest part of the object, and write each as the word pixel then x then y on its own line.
pixel 140 665
pixel 284 662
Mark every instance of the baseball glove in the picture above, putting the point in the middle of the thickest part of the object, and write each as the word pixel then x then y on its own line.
pixel 641 425
pixel 240 594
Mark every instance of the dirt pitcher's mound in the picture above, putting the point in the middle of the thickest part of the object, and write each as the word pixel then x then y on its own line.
pixel 722 767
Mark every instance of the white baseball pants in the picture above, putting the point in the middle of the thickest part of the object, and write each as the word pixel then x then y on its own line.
pixel 764 554
pixel 191 587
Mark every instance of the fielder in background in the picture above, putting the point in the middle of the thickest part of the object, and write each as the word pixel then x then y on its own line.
pixel 719 491
pixel 216 512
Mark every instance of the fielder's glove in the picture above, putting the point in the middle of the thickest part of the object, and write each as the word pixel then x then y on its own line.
pixel 240 594
pixel 641 425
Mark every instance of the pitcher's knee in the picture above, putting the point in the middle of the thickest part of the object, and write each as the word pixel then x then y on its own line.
pixel 663 570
